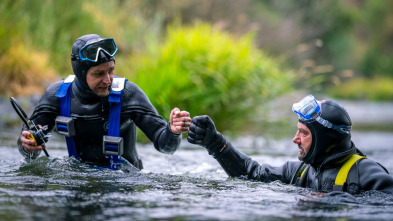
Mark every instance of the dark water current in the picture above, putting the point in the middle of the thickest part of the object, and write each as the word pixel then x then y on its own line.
pixel 188 185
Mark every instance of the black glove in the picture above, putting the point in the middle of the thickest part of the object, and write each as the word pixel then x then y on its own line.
pixel 203 132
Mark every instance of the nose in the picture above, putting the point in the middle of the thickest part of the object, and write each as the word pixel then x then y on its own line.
pixel 107 78
pixel 296 139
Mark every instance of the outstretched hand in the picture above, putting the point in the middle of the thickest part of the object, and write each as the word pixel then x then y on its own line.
pixel 180 121
pixel 203 132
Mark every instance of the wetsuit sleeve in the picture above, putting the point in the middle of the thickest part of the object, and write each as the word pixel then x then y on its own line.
pixel 48 108
pixel 237 164
pixel 373 176
pixel 137 105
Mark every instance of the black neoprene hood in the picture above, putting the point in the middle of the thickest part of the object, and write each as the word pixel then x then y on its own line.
pixel 326 140
pixel 80 67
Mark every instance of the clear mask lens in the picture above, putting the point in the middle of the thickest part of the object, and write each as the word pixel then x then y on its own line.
pixel 307 108
pixel 91 51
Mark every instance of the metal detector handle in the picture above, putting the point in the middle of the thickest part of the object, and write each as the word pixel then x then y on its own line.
pixel 36 134
pixel 22 114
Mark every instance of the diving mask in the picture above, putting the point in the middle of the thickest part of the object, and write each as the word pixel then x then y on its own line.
pixel 309 109
pixel 91 51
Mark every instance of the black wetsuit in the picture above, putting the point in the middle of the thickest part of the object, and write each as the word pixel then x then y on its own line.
pixel 364 174
pixel 91 114
pixel 330 149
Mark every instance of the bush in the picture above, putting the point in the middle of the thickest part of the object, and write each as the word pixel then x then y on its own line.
pixel 206 71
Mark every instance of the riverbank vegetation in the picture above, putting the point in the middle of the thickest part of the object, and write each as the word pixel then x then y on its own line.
pixel 206 71
pixel 224 58
pixel 371 89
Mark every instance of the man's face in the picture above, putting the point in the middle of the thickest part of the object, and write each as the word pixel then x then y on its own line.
pixel 100 77
pixel 303 139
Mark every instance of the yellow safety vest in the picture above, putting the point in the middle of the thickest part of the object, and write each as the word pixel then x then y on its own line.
pixel 343 173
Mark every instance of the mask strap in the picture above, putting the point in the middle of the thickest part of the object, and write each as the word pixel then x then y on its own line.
pixel 342 128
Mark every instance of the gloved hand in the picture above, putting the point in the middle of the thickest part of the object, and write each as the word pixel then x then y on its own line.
pixel 203 132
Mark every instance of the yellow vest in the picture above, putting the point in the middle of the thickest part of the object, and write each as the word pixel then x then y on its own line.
pixel 343 173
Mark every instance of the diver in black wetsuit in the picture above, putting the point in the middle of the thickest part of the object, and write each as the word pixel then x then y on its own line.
pixel 329 160
pixel 93 64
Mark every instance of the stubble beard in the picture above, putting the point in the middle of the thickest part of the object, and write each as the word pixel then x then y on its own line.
pixel 301 155
pixel 102 93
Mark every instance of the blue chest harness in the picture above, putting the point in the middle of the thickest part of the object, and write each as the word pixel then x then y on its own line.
pixel 112 143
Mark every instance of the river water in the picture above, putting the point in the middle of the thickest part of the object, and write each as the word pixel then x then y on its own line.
pixel 189 185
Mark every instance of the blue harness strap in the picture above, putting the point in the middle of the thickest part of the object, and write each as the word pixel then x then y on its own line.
pixel 64 93
pixel 115 98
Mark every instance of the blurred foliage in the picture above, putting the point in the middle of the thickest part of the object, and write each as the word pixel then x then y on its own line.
pixel 378 35
pixel 206 71
pixel 221 68
pixel 375 89
pixel 24 71
pixel 337 37
pixel 343 39
pixel 45 25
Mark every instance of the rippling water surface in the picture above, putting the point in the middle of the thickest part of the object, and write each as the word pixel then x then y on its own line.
pixel 189 185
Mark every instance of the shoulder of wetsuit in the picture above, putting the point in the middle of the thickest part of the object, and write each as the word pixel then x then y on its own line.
pixel 373 176
pixel 48 101
pixel 134 98
pixel 48 97
pixel 130 88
